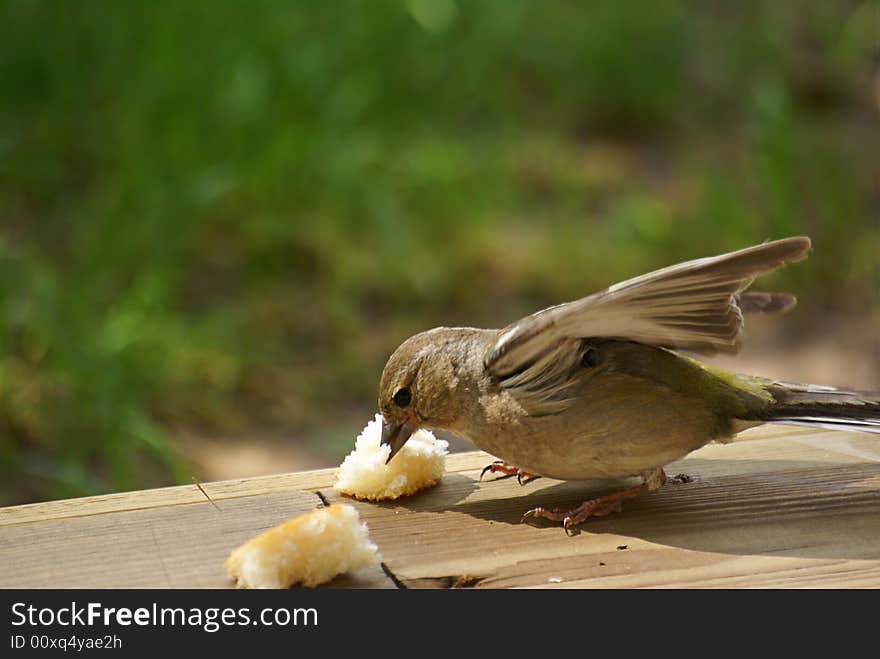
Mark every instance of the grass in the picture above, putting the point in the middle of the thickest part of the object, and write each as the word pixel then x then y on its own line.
pixel 225 215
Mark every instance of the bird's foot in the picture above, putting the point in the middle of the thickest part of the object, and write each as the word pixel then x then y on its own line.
pixel 569 518
pixel 501 467
pixel 600 506
pixel 680 479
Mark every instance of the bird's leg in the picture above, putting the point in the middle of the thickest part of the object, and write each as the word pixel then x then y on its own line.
pixel 500 467
pixel 610 503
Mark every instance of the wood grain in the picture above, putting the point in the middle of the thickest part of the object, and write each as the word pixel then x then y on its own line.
pixel 782 508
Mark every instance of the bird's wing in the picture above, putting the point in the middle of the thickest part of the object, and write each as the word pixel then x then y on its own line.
pixel 691 306
pixel 754 302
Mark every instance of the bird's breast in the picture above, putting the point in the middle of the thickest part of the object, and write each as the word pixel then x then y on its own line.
pixel 617 427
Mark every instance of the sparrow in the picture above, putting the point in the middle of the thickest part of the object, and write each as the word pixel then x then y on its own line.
pixel 596 388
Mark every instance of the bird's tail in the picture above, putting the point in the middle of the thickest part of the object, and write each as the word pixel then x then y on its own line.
pixel 823 407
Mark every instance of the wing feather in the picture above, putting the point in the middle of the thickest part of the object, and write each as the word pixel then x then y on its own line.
pixel 693 306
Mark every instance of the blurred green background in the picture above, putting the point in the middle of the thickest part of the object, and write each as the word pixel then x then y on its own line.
pixel 217 219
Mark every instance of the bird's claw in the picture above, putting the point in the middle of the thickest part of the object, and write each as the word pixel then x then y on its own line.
pixel 556 515
pixel 570 518
pixel 501 467
pixel 529 513
pixel 523 477
pixel 601 506
pixel 493 468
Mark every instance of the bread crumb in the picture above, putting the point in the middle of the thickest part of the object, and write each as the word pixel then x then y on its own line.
pixel 418 465
pixel 309 550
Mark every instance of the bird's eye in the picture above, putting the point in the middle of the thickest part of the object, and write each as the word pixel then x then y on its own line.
pixel 589 358
pixel 403 397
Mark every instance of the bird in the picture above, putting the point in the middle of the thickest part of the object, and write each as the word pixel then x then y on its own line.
pixel 606 387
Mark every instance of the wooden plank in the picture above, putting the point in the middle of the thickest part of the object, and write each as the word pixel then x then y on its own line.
pixel 310 480
pixel 165 496
pixel 147 548
pixel 782 508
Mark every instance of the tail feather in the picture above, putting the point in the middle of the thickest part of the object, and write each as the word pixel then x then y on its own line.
pixel 823 407
pixel 856 425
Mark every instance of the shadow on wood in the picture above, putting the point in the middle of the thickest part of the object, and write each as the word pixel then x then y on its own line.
pixel 790 508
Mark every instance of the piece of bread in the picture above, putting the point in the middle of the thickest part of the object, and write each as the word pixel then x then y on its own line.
pixel 418 465
pixel 308 550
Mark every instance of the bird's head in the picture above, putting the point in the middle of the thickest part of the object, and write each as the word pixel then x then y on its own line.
pixel 418 385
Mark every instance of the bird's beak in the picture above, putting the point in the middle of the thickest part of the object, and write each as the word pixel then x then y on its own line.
pixel 395 435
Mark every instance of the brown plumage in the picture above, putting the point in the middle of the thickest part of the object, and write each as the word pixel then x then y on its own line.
pixel 592 388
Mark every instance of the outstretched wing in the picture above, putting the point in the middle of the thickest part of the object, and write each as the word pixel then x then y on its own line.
pixel 691 306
